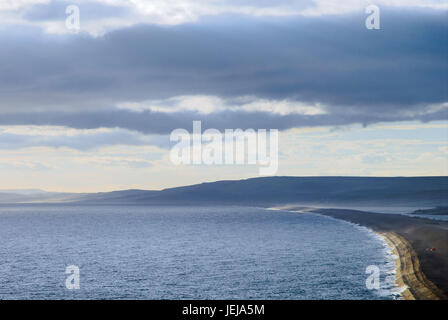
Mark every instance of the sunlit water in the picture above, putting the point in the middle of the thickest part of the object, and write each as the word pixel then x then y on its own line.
pixel 136 252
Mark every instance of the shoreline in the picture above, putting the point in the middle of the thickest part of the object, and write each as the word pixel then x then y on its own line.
pixel 399 281
pixel 408 272
pixel 402 234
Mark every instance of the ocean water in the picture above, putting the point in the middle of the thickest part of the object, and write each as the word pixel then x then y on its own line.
pixel 136 252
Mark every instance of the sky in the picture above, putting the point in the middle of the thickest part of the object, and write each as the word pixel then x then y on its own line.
pixel 92 109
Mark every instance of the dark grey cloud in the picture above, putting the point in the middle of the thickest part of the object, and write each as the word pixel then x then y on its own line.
pixel 363 76
pixel 149 122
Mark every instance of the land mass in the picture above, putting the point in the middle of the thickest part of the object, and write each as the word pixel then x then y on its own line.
pixel 437 211
pixel 420 244
pixel 417 192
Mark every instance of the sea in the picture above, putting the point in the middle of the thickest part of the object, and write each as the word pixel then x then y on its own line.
pixel 184 252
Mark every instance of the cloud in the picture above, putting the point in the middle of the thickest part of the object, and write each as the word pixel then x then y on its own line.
pixel 150 122
pixel 260 72
pixel 210 104
pixel 21 137
pixel 101 16
pixel 28 166
pixel 99 105
pixel 303 152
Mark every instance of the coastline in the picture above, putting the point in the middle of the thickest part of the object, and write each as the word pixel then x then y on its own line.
pixel 407 238
pixel 408 271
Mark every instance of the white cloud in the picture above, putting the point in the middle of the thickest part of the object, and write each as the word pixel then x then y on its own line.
pixel 326 7
pixel 304 152
pixel 19 4
pixel 210 104
pixel 172 12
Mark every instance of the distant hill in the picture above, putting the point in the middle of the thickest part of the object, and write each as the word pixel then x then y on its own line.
pixel 437 211
pixel 35 196
pixel 421 191
pixel 25 192
pixel 417 191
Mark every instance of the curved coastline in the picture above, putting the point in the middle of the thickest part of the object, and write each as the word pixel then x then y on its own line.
pixel 394 229
pixel 408 270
